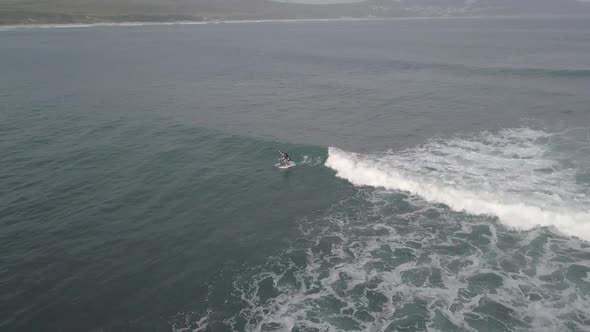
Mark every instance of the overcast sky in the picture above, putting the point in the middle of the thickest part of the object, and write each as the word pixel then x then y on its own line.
pixel 321 1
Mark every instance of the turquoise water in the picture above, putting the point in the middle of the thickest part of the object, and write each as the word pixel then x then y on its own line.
pixel 443 177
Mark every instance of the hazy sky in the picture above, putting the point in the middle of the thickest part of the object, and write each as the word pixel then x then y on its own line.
pixel 321 1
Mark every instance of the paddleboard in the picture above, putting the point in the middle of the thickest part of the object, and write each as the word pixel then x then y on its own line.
pixel 289 165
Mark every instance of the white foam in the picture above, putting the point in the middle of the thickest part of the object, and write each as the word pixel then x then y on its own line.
pixel 311 160
pixel 349 272
pixel 509 174
pixel 378 256
pixel 101 24
pixel 189 319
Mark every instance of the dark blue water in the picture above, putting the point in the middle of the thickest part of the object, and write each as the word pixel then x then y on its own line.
pixel 442 178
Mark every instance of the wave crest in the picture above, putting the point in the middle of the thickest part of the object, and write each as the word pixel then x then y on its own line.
pixel 509 174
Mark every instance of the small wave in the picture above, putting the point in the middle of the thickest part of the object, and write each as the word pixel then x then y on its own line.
pixel 509 174
pixel 379 65
pixel 509 70
pixel 536 72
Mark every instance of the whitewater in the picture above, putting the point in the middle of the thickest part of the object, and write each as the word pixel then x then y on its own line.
pixel 427 242
pixel 511 174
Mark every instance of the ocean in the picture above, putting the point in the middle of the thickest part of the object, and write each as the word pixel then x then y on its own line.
pixel 442 179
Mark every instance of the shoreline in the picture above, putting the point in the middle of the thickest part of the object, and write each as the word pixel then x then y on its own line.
pixel 147 23
pixel 343 19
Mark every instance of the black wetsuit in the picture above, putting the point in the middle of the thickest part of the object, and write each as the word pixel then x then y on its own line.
pixel 285 158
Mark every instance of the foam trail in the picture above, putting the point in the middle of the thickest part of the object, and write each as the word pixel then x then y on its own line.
pixel 311 160
pixel 509 174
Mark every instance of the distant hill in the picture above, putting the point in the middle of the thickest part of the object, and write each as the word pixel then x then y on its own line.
pixel 386 8
pixel 94 11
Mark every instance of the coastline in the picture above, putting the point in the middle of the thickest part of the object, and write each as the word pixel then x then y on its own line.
pixel 169 23
pixel 342 19
pixel 148 23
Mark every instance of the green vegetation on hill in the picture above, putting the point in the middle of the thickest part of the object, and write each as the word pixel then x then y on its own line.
pixel 96 11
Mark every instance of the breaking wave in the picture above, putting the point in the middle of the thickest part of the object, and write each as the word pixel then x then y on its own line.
pixel 383 260
pixel 511 174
